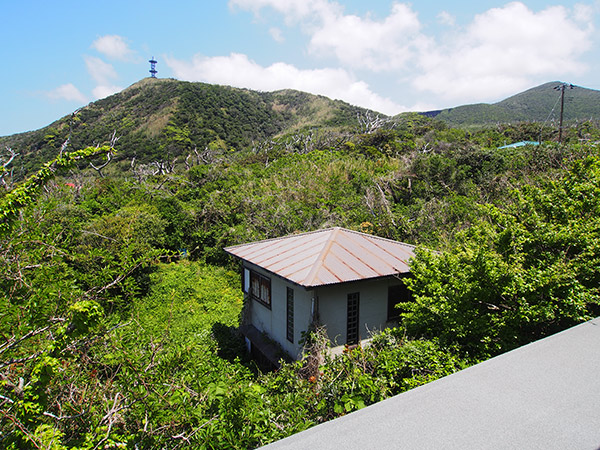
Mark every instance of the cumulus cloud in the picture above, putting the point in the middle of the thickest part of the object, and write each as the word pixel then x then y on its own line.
pixel 366 43
pixel 102 91
pixel 292 10
pixel 238 70
pixel 100 70
pixel 276 34
pixel 67 92
pixel 358 42
pixel 445 18
pixel 103 73
pixel 113 46
pixel 503 50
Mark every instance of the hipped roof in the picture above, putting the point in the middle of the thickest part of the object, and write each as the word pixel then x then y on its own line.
pixel 333 255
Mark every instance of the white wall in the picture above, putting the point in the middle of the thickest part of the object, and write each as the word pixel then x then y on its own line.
pixel 332 305
pixel 372 307
pixel 274 321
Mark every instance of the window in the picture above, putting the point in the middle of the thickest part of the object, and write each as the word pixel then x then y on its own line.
pixel 245 280
pixel 352 322
pixel 289 331
pixel 397 294
pixel 260 288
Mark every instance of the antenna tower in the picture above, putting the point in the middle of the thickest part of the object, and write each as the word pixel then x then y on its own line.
pixel 153 70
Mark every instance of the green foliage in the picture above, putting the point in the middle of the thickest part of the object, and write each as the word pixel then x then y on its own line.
pixel 107 347
pixel 161 119
pixel 521 274
pixel 537 104
pixel 25 194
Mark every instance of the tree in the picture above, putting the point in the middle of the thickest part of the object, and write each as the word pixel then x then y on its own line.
pixel 527 271
pixel 25 193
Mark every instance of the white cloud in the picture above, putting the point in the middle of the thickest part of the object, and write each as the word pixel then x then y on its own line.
pixel 113 46
pixel 293 10
pixel 102 91
pixel 359 42
pixel 445 18
pixel 67 92
pixel 238 70
pixel 100 71
pixel 374 44
pixel 504 50
pixel 501 51
pixel 103 73
pixel 276 34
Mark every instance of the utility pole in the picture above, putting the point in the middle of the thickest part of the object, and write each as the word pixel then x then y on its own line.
pixel 562 88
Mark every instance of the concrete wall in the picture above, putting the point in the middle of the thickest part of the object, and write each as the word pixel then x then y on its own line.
pixel 372 307
pixel 274 321
pixel 332 309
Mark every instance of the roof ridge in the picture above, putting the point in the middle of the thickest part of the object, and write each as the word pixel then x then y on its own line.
pixel 287 236
pixel 309 279
pixel 374 236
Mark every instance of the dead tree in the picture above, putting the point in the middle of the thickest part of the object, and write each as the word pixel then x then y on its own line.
pixel 99 168
pixel 367 123
pixel 113 141
pixel 5 172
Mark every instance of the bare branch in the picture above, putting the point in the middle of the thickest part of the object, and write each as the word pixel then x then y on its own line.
pixel 4 172
pixel 48 414
pixel 368 124
pixel 13 342
pixel 64 146
pixel 113 139
pixel 11 155
pixel 99 168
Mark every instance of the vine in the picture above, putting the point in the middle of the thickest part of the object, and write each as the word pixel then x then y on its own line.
pixel 25 193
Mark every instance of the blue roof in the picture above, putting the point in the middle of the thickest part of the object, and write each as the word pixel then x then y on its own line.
pixel 520 144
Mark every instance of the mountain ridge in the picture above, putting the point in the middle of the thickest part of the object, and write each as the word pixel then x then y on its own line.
pixel 162 118
pixel 157 118
pixel 537 104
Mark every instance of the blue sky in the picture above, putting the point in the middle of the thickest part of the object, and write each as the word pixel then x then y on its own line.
pixel 385 55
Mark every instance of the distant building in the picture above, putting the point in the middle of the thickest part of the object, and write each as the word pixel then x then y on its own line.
pixel 345 280
pixel 519 144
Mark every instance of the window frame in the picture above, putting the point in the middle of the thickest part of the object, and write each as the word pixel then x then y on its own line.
pixel 289 315
pixel 353 319
pixel 260 288
pixel 397 293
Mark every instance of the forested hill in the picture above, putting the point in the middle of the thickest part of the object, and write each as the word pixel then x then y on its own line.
pixel 119 309
pixel 157 119
pixel 164 119
pixel 541 104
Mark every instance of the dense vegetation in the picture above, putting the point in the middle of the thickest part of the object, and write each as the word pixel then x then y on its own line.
pixel 162 120
pixel 118 308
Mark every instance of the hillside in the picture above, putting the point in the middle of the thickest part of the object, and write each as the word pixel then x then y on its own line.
pixel 158 119
pixel 163 119
pixel 120 309
pixel 539 104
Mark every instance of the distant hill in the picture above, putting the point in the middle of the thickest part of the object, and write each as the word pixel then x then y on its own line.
pixel 162 118
pixel 538 104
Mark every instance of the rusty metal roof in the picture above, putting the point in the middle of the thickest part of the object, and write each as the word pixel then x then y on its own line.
pixel 333 255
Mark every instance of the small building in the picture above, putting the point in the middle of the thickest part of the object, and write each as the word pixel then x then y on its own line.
pixel 519 144
pixel 347 281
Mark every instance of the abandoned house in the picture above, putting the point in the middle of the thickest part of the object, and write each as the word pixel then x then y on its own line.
pixel 346 281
